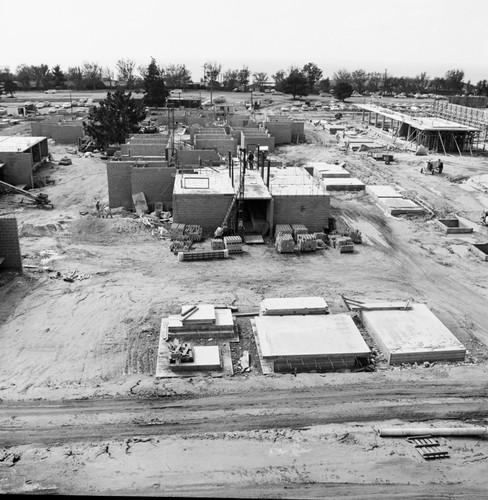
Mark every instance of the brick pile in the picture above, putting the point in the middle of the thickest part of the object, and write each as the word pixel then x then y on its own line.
pixel 233 244
pixel 217 244
pixel 307 243
pixel 284 243
pixel 298 229
pixel 193 231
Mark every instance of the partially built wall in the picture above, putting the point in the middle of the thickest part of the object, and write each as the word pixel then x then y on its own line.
pixel 127 178
pixel 10 254
pixel 60 132
pixel 194 157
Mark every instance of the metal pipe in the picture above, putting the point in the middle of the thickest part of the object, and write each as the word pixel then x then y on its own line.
pixel 269 173
pixel 432 431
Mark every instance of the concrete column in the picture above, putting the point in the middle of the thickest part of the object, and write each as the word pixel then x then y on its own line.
pixel 376 119
pixel 270 215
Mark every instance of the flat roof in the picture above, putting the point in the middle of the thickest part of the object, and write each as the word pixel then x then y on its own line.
pixel 421 123
pixel 10 144
pixel 206 181
pixel 254 187
pixel 293 305
pixel 314 335
pixel 412 334
pixel 294 181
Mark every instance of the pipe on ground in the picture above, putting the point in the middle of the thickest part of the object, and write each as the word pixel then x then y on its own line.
pixel 432 431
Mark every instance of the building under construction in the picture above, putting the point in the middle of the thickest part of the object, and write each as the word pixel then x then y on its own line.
pixel 444 129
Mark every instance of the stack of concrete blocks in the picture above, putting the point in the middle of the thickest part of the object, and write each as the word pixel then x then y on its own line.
pixel 298 229
pixel 284 243
pixel 177 231
pixel 203 255
pixel 193 231
pixel 10 254
pixel 306 243
pixel 217 244
pixel 206 321
pixel 283 229
pixel 233 244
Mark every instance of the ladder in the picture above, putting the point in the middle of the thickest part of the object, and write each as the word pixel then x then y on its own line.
pixel 239 193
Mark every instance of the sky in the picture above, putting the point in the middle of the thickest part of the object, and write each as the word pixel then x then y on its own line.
pixel 403 38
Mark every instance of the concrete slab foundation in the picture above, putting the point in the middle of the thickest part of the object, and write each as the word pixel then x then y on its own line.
pixel 481 251
pixel 412 335
pixel 305 343
pixel 454 226
pixel 204 358
pixel 351 184
pixel 399 206
pixel 383 192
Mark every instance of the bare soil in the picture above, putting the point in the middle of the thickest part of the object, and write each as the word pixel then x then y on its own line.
pixel 81 411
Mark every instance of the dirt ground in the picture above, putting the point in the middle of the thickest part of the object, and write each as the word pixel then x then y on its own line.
pixel 67 347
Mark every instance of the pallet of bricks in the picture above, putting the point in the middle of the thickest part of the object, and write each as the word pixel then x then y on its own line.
pixel 307 242
pixel 284 242
pixel 193 231
pixel 217 244
pixel 180 241
pixel 233 244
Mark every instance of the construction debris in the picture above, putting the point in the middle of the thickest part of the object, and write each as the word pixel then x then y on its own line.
pixel 180 353
pixel 428 447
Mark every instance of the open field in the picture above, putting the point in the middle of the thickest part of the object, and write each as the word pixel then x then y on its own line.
pixel 79 402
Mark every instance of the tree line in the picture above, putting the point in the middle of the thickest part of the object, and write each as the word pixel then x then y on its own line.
pixel 296 81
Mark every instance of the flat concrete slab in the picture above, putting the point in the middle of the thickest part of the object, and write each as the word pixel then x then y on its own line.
pixel 204 358
pixel 412 335
pixel 351 184
pixel 293 306
pixel 399 206
pixel 454 226
pixel 223 326
pixel 316 335
pixel 383 192
pixel 322 169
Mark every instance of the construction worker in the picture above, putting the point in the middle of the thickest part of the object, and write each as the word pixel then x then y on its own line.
pixel 440 166
pixel 219 233
pixel 107 212
pixel 99 210
pixel 250 159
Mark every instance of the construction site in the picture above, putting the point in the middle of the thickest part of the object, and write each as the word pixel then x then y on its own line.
pixel 242 301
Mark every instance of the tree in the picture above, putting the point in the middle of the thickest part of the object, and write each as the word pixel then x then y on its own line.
pixel 259 79
pixel 324 85
pixel 109 75
pixel 41 75
pixel 24 75
pixel 243 77
pixel 374 82
pixel 177 76
pixel 454 80
pixel 155 92
pixel 125 72
pixel 422 82
pixel 75 76
pixel 9 87
pixel 481 88
pixel 342 90
pixel 313 74
pixel 279 78
pixel 358 80
pixel 114 119
pixel 342 75
pixel 295 83
pixel 230 79
pixel 59 78
pixel 92 75
pixel 437 84
pixel 211 72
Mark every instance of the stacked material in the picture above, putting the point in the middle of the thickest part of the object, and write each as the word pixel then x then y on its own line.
pixel 177 230
pixel 298 229
pixel 217 244
pixel 285 244
pixel 282 229
pixel 293 306
pixel 233 244
pixel 321 236
pixel 306 242
pixel 203 320
pixel 203 255
pixel 194 232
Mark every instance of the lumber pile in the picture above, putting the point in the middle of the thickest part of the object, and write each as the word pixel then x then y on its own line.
pixel 180 353
pixel 233 244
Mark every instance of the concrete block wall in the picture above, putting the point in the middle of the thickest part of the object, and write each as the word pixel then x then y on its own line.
pixel 64 133
pixel 205 210
pixel 263 140
pixel 280 131
pixel 197 120
pixel 155 182
pixel 143 149
pixel 192 157
pixel 18 168
pixel 119 184
pixel 10 245
pixel 311 211
pixel 222 146
pixel 297 131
